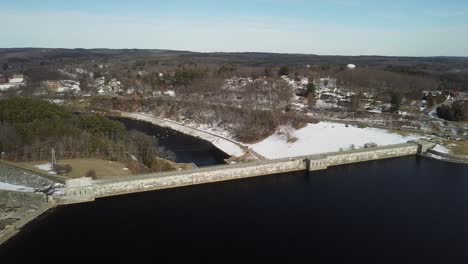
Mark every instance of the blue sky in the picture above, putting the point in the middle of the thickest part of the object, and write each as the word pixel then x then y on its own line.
pixel 335 27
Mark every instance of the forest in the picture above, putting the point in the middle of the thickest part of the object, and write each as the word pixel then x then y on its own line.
pixel 31 128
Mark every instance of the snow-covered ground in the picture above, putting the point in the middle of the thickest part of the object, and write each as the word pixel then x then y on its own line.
pixel 17 80
pixel 7 86
pixel 56 101
pixel 326 137
pixel 46 167
pixel 441 149
pixel 375 111
pixel 170 93
pixel 12 187
pixel 321 104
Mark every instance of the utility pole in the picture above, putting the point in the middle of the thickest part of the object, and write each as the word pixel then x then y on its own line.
pixel 54 161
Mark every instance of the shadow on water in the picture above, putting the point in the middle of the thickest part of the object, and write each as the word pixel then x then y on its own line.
pixel 378 211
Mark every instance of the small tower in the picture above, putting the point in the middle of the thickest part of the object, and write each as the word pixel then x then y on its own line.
pixel 54 160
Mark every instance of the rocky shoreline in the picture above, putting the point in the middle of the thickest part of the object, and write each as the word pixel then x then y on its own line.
pixel 18 208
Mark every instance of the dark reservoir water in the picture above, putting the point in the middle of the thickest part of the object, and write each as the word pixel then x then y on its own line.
pixel 406 210
pixel 187 149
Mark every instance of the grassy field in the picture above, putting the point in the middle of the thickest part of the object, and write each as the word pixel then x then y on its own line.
pixel 103 168
pixel 458 147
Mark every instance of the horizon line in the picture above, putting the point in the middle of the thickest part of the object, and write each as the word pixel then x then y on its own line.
pixel 240 52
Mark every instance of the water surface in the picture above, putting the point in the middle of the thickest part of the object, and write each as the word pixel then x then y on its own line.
pixel 187 149
pixel 400 210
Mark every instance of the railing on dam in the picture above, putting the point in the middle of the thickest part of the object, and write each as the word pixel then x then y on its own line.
pixel 154 181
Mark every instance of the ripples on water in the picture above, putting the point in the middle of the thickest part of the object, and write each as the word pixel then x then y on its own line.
pixel 380 211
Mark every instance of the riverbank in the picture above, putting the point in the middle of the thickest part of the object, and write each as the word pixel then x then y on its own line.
pixel 231 147
pixel 323 137
pixel 318 138
pixel 437 155
pixel 17 209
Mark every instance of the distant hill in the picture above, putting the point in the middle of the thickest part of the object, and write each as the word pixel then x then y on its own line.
pixel 25 55
pixel 38 54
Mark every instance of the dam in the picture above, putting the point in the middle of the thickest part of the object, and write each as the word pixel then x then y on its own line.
pixel 86 189
pixel 83 190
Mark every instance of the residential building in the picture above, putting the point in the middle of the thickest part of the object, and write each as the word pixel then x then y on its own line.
pixel 4 79
pixel 52 86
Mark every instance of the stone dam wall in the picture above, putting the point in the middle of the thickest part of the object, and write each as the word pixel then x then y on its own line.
pixel 323 161
pixel 197 176
pixel 87 190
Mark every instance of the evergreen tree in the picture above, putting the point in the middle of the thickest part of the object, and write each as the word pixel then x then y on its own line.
pixel 395 100
pixel 284 70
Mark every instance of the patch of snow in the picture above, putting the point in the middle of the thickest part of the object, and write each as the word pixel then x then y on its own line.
pixel 58 192
pixel 12 187
pixel 7 86
pixel 321 104
pixel 57 101
pixel 433 113
pixel 441 149
pixel 435 156
pixel 326 137
pixel 170 93
pixel 133 157
pixel 68 85
pixel 47 168
pixel 17 80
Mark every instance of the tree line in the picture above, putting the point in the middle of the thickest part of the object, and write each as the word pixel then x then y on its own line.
pixel 31 128
pixel 246 124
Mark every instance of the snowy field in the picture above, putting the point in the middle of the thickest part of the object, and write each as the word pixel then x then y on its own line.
pixel 47 168
pixel 325 137
pixel 12 187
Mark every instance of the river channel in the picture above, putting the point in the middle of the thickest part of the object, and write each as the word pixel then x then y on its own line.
pixel 187 149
